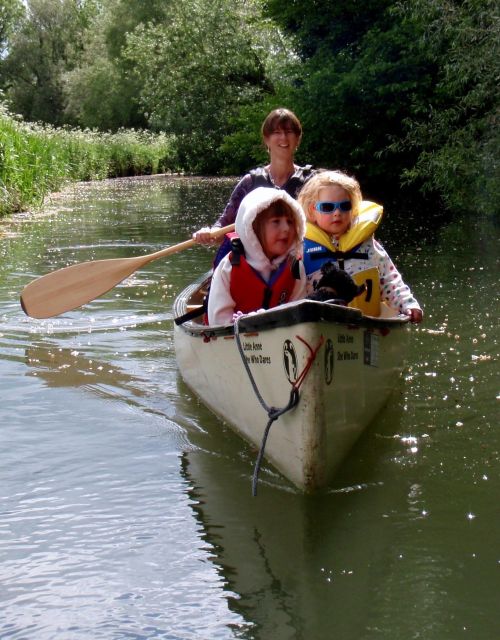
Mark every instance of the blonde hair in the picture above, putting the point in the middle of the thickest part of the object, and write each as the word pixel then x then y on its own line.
pixel 309 193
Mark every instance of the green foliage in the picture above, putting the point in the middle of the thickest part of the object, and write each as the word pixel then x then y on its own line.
pixel 36 159
pixel 322 25
pixel 121 17
pixel 354 86
pixel 198 68
pixel 103 75
pixel 403 94
pixel 22 155
pixel 353 104
pixel 243 149
pixel 47 45
pixel 456 136
pixel 185 68
pixel 11 13
pixel 99 80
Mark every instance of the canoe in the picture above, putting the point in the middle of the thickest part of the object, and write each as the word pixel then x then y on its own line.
pixel 301 381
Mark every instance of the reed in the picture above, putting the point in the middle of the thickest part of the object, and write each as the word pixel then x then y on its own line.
pixel 37 159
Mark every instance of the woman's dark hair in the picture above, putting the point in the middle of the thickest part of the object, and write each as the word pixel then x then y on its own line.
pixel 281 119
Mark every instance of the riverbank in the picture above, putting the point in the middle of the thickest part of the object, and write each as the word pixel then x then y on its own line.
pixel 36 159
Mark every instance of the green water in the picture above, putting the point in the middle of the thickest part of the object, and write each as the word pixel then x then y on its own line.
pixel 126 507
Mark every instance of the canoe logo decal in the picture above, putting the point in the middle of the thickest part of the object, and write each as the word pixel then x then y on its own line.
pixel 329 360
pixel 290 361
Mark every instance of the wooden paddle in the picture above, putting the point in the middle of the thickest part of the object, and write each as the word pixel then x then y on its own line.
pixel 70 287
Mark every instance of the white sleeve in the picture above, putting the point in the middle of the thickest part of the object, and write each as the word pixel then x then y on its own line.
pixel 221 306
pixel 392 287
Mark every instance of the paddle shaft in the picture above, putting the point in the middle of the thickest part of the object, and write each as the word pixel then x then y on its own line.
pixel 70 287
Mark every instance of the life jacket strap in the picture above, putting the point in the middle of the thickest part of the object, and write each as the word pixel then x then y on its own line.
pixel 296 268
pixel 267 298
pixel 237 250
pixel 294 265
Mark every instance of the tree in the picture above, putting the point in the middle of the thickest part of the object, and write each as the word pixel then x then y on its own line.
pixel 403 94
pixel 104 75
pixel 46 46
pixel 322 25
pixel 456 133
pixel 357 82
pixel 198 67
pixel 11 13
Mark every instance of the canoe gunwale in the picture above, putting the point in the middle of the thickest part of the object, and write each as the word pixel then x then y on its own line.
pixel 286 315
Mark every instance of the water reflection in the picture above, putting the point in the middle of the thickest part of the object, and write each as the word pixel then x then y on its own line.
pixel 59 367
pixel 289 558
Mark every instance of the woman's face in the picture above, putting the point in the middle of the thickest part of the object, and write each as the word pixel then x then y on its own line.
pixel 282 142
pixel 336 222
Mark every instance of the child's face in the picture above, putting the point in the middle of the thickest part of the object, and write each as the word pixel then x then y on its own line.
pixel 278 235
pixel 337 222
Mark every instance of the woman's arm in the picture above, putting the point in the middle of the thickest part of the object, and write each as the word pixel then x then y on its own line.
pixel 228 216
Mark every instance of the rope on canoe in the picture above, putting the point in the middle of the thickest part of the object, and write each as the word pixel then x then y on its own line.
pixel 273 412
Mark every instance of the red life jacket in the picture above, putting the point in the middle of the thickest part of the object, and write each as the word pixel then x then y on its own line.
pixel 250 292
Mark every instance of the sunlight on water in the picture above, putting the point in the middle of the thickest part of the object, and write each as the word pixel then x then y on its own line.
pixel 126 507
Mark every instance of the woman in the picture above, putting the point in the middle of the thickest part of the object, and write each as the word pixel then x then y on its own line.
pixel 281 134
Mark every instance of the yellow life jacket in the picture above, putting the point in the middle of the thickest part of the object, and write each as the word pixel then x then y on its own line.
pixel 363 227
pixel 367 302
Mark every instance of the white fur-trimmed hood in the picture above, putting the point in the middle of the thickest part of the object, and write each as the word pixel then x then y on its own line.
pixel 251 205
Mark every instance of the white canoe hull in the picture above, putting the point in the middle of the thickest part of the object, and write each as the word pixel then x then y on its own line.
pixel 356 366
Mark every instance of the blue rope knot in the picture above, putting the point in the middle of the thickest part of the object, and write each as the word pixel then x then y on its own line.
pixel 274 413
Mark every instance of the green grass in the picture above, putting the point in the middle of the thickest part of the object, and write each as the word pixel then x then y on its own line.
pixel 37 159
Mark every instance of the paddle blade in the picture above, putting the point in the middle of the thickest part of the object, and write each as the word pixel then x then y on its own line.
pixel 68 288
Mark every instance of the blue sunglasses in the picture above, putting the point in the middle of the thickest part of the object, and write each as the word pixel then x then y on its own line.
pixel 326 206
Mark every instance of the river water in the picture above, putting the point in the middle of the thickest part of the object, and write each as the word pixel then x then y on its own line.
pixel 126 507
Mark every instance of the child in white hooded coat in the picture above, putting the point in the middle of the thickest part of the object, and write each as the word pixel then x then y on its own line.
pixel 268 271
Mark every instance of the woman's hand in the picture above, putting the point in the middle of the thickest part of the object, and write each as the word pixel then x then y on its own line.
pixel 204 236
